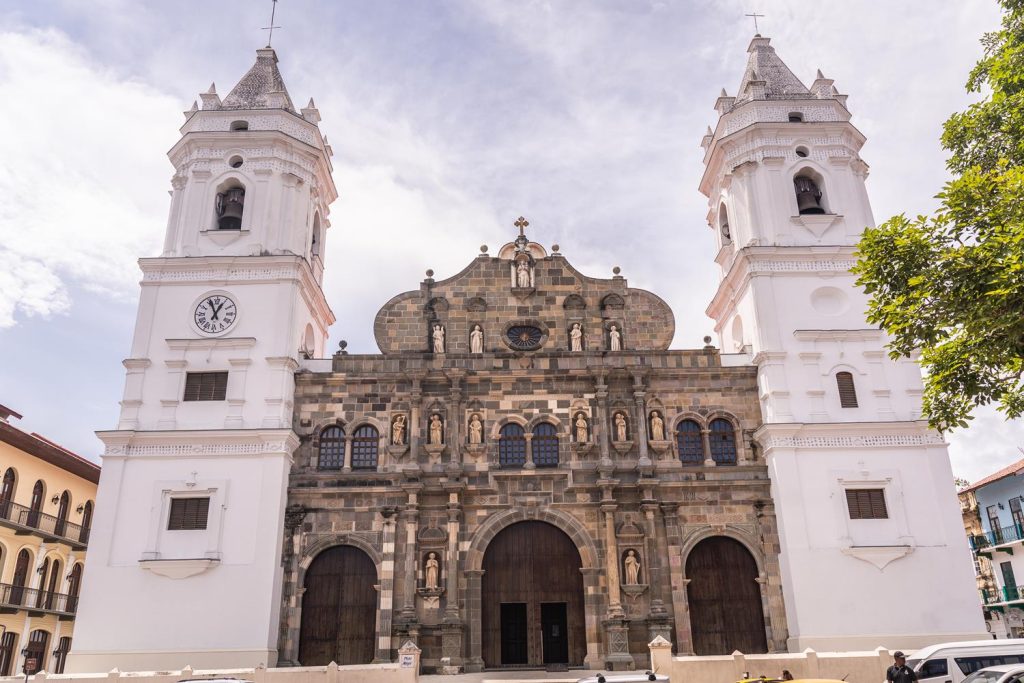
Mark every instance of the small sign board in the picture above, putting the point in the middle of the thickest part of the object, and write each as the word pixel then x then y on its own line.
pixel 31 664
pixel 407 661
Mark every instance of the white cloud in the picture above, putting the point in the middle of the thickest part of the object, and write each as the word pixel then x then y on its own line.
pixel 83 174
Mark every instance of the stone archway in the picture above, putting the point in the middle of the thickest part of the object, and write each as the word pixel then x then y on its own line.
pixel 532 598
pixel 339 608
pixel 590 563
pixel 724 598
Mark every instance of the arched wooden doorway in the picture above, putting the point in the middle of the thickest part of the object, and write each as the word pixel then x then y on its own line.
pixel 339 608
pixel 724 598
pixel 532 598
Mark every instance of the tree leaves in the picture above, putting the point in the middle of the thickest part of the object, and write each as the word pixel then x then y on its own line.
pixel 951 286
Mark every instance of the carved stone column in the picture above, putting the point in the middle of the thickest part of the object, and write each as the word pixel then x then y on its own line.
pixel 453 428
pixel 348 454
pixel 617 657
pixel 387 587
pixel 659 622
pixel 640 432
pixel 674 516
pixel 411 516
pixel 452 625
pixel 288 644
pixel 415 404
pixel 529 464
pixel 474 582
pixel 705 435
pixel 600 423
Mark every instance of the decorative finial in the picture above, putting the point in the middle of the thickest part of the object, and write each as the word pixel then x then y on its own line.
pixel 755 15
pixel 270 36
pixel 342 345
pixel 820 76
pixel 212 90
pixel 555 248
pixel 483 248
pixel 707 339
pixel 430 272
pixel 522 224
pixel 616 270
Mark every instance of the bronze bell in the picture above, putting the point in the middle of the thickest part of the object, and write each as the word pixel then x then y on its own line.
pixel 229 209
pixel 808 196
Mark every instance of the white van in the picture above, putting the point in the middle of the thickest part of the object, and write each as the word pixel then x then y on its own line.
pixel 952 662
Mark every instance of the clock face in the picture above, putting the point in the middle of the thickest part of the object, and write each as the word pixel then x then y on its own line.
pixel 215 314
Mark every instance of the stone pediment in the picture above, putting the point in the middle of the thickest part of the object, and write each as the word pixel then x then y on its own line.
pixel 487 293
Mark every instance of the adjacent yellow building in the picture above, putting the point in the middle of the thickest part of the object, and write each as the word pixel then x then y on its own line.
pixel 47 494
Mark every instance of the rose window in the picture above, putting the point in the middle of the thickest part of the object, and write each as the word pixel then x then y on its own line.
pixel 524 337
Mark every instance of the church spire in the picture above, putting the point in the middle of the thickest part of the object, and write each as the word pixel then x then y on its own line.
pixel 767 77
pixel 262 87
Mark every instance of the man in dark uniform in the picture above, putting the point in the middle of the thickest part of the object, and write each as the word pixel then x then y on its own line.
pixel 900 672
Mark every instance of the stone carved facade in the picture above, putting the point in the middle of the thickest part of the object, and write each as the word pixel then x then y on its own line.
pixel 609 497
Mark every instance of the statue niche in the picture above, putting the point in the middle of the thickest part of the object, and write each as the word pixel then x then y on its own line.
pixel 522 268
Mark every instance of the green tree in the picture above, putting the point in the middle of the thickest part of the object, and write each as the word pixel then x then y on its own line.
pixel 951 285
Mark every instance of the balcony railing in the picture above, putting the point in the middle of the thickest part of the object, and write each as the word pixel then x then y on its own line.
pixel 32 599
pixel 45 524
pixel 1006 534
pixel 1004 594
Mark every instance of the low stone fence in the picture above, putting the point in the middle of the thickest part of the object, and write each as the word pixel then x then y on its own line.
pixel 853 667
pixel 406 670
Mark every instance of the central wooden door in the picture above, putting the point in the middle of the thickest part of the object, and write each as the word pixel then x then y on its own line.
pixel 724 599
pixel 532 590
pixel 339 608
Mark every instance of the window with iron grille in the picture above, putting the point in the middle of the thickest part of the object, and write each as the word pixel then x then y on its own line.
pixel 866 504
pixel 332 448
pixel 7 653
pixel 690 443
pixel 723 442
pixel 365 442
pixel 60 655
pixel 188 514
pixel 205 386
pixel 512 446
pixel 544 445
pixel 847 392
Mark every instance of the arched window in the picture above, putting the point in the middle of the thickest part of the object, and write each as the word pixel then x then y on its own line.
pixel 86 522
pixel 545 445
pixel 32 518
pixel 74 586
pixel 723 223
pixel 365 442
pixel 60 527
pixel 332 448
pixel 7 493
pixel 44 576
pixel 690 443
pixel 60 655
pixel 229 205
pixel 53 586
pixel 723 442
pixel 20 578
pixel 808 195
pixel 37 642
pixel 239 125
pixel 512 446
pixel 847 392
pixel 795 117
pixel 7 643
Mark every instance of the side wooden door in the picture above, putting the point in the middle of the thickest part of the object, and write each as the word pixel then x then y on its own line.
pixel 339 609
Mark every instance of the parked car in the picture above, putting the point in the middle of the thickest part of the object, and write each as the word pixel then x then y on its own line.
pixel 630 677
pixel 1007 673
pixel 953 662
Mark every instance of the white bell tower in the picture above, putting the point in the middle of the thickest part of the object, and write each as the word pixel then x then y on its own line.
pixel 184 563
pixel 872 544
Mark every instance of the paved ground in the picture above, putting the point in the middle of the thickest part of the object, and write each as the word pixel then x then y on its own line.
pixel 532 676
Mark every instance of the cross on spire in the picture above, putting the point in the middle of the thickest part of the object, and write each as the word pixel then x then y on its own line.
pixel 755 15
pixel 273 10
pixel 521 223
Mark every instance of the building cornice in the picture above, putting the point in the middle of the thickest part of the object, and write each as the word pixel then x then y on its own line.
pixel 49 452
pixel 797 436
pixel 198 443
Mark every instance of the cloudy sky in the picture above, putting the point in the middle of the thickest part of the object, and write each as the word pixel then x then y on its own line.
pixel 448 120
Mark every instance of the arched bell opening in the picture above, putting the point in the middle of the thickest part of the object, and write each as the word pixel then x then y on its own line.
pixel 229 206
pixel 810 199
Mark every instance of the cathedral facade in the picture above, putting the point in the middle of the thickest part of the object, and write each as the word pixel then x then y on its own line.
pixel 526 474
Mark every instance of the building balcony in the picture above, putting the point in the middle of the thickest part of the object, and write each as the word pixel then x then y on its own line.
pixel 36 602
pixel 1003 539
pixel 25 520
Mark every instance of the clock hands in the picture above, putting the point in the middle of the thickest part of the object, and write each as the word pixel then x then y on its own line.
pixel 216 309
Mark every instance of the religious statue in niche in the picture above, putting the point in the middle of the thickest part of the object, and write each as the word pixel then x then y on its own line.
pixel 576 338
pixel 432 568
pixel 436 430
pixel 398 431
pixel 476 430
pixel 438 338
pixel 620 427
pixel 632 564
pixel 582 431
pixel 523 274
pixel 657 426
pixel 614 339
pixel 476 340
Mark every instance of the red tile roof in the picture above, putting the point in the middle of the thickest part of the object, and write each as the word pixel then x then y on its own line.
pixel 1008 471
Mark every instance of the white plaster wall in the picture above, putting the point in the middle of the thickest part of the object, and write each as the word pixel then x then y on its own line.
pixel 127 610
pixel 836 596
